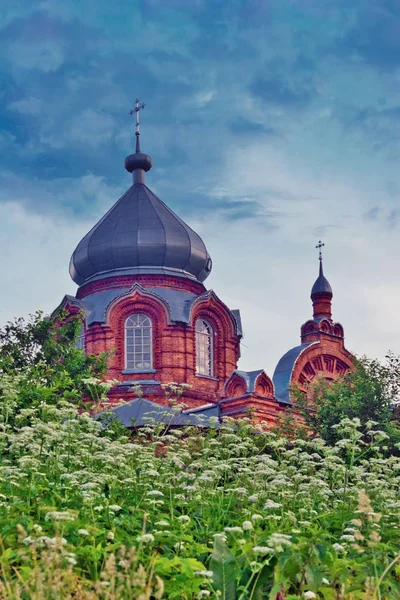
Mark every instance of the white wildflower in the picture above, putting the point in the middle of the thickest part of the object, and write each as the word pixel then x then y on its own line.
pixel 203 594
pixel 262 550
pixel 146 538
pixel 110 536
pixel 247 525
pixel 272 504
pixel 28 540
pixel 309 595
pixel 179 545
pixel 279 540
pixel 115 507
pixel 154 493
pixel 253 498
pixel 325 581
pixel 338 547
pixel 59 516
pixel 348 538
pixel 204 573
pixel 256 517
pixel 83 532
pixel 236 529
pixel 184 519
pixel 162 523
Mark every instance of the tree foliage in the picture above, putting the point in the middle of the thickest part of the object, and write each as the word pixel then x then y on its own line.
pixel 369 393
pixel 41 352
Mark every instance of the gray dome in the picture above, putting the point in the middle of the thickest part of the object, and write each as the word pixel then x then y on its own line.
pixel 140 235
pixel 321 285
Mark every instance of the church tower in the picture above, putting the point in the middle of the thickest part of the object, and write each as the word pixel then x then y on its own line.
pixel 322 353
pixel 141 272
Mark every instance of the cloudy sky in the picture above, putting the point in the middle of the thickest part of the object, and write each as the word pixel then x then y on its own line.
pixel 271 123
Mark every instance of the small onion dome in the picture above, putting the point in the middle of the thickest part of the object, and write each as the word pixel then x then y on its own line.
pixel 321 285
pixel 140 235
pixel 138 161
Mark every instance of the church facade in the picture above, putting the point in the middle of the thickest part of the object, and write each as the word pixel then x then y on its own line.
pixel 140 273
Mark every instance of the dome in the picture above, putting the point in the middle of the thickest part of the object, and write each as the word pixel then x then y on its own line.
pixel 140 235
pixel 321 285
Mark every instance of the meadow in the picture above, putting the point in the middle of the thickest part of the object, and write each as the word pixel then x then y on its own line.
pixel 91 510
pixel 192 513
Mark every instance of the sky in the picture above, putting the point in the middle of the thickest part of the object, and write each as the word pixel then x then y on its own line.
pixel 271 124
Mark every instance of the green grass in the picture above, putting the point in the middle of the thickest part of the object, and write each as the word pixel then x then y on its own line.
pixel 191 513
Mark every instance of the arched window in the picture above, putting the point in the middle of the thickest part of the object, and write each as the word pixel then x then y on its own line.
pixel 138 343
pixel 80 340
pixel 204 348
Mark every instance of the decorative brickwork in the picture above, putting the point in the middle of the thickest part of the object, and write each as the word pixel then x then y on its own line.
pixel 174 343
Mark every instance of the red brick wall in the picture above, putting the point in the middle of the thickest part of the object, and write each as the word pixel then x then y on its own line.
pixel 174 344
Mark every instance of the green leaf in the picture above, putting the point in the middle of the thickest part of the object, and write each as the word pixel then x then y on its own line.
pixel 224 567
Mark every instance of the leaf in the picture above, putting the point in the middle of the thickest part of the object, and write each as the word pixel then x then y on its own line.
pixel 224 567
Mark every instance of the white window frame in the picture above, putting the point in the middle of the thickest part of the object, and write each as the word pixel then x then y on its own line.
pixel 204 348
pixel 131 326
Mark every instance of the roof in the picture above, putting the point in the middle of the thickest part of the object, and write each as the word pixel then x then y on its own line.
pixel 321 285
pixel 283 372
pixel 141 412
pixel 140 234
pixel 249 378
pixel 177 302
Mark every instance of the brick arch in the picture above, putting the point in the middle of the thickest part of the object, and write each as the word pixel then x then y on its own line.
pixel 325 326
pixel 318 362
pixel 309 327
pixel 219 311
pixel 217 340
pixel 235 386
pixel 338 330
pixel 225 340
pixel 264 386
pixel 122 308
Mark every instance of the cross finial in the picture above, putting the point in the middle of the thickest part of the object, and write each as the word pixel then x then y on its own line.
pixel 136 110
pixel 319 246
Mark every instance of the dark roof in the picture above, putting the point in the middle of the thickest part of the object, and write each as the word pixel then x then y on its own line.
pixel 249 378
pixel 321 285
pixel 283 372
pixel 177 302
pixel 140 234
pixel 141 412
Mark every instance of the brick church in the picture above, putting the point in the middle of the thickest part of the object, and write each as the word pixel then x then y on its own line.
pixel 141 273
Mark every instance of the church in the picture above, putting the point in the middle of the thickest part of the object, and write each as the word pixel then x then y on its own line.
pixel 140 273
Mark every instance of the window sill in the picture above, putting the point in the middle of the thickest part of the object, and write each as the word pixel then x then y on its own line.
pixel 130 371
pixel 207 377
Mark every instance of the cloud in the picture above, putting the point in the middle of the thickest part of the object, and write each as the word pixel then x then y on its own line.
pixel 28 106
pixel 374 38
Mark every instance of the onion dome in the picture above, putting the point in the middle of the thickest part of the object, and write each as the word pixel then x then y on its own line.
pixel 140 235
pixel 321 285
pixel 321 293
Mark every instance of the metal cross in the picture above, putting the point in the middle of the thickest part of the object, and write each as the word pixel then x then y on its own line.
pixel 319 246
pixel 136 110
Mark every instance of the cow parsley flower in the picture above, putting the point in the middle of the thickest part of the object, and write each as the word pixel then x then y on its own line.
pixel 146 538
pixel 262 550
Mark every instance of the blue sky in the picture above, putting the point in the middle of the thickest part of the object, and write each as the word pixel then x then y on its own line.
pixel 271 124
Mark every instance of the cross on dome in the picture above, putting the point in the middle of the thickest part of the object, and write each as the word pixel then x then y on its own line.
pixel 319 247
pixel 138 107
